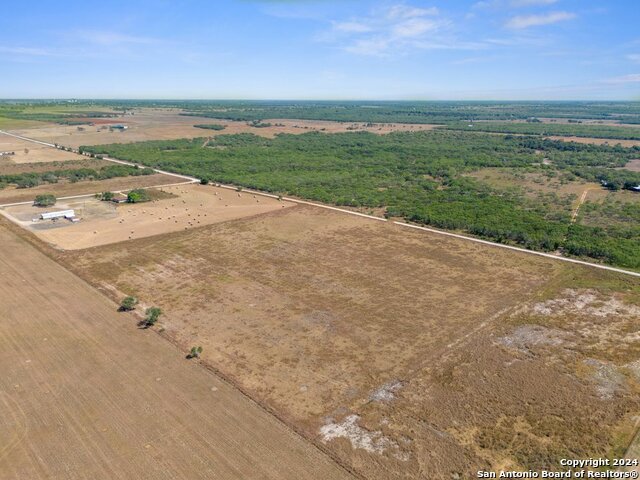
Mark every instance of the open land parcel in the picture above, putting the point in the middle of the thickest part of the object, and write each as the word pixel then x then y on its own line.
pixel 401 354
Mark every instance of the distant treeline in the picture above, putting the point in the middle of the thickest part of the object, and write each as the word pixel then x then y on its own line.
pixel 418 176
pixel 438 112
pixel 33 179
pixel 575 130
pixel 211 126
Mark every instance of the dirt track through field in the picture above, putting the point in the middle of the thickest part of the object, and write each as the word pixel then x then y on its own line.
pixel 85 394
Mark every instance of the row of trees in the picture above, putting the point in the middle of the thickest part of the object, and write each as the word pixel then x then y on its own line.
pixel 33 179
pixel 151 317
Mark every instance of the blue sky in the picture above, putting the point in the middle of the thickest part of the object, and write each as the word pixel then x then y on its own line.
pixel 322 49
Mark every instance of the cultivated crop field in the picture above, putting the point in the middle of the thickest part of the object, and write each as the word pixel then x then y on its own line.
pixel 85 394
pixel 404 354
pixel 102 223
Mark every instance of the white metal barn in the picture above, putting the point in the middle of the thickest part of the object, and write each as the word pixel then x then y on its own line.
pixel 68 214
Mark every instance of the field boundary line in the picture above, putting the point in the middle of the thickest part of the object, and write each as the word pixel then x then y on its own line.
pixel 372 217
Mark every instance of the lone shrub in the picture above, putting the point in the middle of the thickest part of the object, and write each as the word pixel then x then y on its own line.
pixel 137 196
pixel 195 352
pixel 128 304
pixel 45 200
pixel 152 315
pixel 105 196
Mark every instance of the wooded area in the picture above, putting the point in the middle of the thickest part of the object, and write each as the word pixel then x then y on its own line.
pixel 418 176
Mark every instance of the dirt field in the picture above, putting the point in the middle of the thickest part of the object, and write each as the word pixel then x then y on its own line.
pixel 7 167
pixel 103 223
pixel 633 165
pixel 29 152
pixel 158 124
pixel 408 355
pixel 67 189
pixel 86 394
pixel 596 141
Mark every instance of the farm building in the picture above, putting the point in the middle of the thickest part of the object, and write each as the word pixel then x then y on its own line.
pixel 68 214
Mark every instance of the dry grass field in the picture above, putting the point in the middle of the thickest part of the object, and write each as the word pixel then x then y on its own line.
pixel 67 189
pixel 405 354
pixel 596 141
pixel 86 394
pixel 29 152
pixel 633 165
pixel 160 124
pixel 401 354
pixel 102 223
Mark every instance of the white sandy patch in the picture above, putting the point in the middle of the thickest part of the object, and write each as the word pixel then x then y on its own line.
pixel 361 438
pixel 586 303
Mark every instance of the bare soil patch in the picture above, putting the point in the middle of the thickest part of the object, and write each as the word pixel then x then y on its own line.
pixel 633 165
pixel 85 394
pixel 378 343
pixel 596 141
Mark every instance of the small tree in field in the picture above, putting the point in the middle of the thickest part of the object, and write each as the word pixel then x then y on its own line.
pixel 128 304
pixel 138 196
pixel 105 196
pixel 195 352
pixel 152 315
pixel 45 200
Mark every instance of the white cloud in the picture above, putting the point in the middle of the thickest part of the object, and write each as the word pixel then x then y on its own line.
pixel 506 4
pixel 634 57
pixel 414 27
pixel 395 29
pixel 31 51
pixel 109 38
pixel 531 3
pixel 631 78
pixel 354 27
pixel 405 11
pixel 525 21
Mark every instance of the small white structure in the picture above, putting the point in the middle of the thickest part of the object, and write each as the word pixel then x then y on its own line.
pixel 68 214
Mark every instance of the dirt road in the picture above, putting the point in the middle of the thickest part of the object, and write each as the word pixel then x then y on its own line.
pixel 583 197
pixel 85 394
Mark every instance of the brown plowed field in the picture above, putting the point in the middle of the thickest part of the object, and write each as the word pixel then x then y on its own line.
pixel 84 394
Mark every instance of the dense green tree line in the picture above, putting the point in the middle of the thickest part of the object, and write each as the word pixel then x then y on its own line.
pixel 577 130
pixel 420 176
pixel 439 112
pixel 32 179
pixel 211 126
